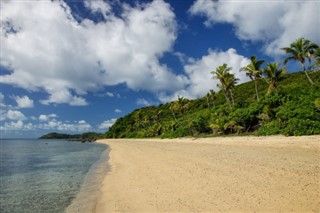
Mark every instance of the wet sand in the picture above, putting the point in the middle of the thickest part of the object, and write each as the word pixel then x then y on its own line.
pixel 225 174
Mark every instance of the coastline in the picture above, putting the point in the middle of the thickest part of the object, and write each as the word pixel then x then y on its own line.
pixel 246 173
pixel 86 199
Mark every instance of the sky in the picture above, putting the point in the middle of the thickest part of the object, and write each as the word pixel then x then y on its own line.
pixel 76 66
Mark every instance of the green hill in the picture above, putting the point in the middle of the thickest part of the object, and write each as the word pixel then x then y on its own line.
pixel 291 110
pixel 88 136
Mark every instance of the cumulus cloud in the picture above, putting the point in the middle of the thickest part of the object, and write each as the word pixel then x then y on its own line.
pixel 47 117
pixel 23 102
pixel 276 23
pixel 48 50
pixel 200 77
pixel 105 125
pixel 13 115
pixel 78 126
pixel 13 125
pixel 98 6
pixel 144 102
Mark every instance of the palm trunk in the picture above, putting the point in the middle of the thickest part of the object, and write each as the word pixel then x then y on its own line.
pixel 228 100
pixel 305 71
pixel 213 105
pixel 208 102
pixel 231 94
pixel 256 86
pixel 174 116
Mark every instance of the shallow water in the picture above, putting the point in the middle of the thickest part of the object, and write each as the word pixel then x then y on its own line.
pixel 43 175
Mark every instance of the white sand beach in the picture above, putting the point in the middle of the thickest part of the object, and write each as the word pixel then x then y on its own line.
pixel 221 174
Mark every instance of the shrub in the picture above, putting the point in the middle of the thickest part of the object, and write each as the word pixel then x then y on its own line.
pixel 271 128
pixel 299 127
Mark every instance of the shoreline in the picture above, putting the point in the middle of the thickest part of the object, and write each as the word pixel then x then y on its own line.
pixel 86 199
pixel 247 173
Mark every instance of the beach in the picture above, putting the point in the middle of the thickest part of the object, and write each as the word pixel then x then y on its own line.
pixel 220 174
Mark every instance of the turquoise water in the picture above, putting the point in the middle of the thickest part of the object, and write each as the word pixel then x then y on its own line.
pixel 43 175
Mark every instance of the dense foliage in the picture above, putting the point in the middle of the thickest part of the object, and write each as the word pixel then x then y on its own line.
pixel 293 109
pixel 279 103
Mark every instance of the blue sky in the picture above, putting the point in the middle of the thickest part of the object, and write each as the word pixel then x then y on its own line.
pixel 76 66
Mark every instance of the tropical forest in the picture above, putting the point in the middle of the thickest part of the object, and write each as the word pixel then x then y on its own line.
pixel 275 101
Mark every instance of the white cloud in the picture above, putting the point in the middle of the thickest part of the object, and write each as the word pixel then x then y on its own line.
pixel 43 118
pixel 200 77
pixel 75 58
pixel 13 115
pixel 110 94
pixel 105 125
pixel 23 102
pixel 47 117
pixel 117 110
pixel 77 126
pixel 1 99
pixel 47 122
pixel 98 6
pixel 82 122
pixel 3 105
pixel 33 118
pixel 276 23
pixel 18 125
pixel 144 102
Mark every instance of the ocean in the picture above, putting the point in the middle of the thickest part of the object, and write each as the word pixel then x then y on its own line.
pixel 44 175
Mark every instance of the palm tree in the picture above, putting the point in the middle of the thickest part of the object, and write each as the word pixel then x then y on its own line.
pixel 174 108
pixel 221 73
pixel 253 71
pixel 213 96
pixel 182 104
pixel 316 56
pixel 230 83
pixel 274 73
pixel 208 99
pixel 317 103
pixel 298 51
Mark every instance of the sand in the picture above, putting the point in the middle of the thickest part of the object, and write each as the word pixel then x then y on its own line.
pixel 225 174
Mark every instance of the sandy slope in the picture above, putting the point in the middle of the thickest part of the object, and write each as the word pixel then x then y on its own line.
pixel 240 174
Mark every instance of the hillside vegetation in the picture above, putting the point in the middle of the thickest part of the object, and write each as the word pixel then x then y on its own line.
pixel 292 110
pixel 87 136
pixel 272 103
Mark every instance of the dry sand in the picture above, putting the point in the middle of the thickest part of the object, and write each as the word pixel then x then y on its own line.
pixel 234 174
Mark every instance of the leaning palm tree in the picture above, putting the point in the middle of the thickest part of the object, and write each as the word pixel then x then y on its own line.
pixel 253 71
pixel 273 73
pixel 299 51
pixel 221 73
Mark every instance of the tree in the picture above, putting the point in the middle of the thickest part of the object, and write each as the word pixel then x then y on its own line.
pixel 317 103
pixel 316 56
pixel 222 74
pixel 299 51
pixel 253 71
pixel 182 104
pixel 174 108
pixel 213 96
pixel 208 99
pixel 230 82
pixel 274 73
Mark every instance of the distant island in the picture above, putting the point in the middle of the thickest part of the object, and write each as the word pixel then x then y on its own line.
pixel 84 137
